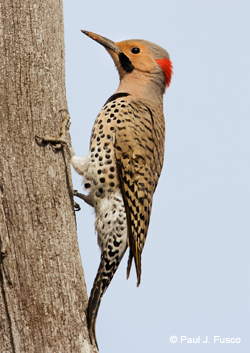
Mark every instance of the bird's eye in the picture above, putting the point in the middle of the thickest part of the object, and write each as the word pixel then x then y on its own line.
pixel 135 50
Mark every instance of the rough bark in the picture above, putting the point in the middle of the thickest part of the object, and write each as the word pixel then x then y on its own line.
pixel 43 296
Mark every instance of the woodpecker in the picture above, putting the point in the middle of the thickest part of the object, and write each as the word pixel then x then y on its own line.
pixel 125 160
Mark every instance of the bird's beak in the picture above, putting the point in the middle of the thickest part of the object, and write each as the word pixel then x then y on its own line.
pixel 116 53
pixel 107 43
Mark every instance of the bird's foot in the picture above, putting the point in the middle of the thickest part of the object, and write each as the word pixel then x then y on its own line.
pixel 64 137
pixel 77 207
pixel 63 140
pixel 85 198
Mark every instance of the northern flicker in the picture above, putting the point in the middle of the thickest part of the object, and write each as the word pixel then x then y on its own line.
pixel 125 160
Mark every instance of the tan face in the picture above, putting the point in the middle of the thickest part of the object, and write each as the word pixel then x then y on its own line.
pixel 127 54
pixel 139 54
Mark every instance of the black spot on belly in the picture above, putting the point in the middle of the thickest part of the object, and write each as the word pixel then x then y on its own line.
pixel 117 244
pixel 111 252
pixel 98 193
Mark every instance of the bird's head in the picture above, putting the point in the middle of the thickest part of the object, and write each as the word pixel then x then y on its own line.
pixel 142 65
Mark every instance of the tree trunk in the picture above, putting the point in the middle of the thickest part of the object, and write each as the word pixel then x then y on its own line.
pixel 43 296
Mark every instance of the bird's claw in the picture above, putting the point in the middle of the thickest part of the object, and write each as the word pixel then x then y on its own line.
pixel 85 198
pixel 63 139
pixel 77 206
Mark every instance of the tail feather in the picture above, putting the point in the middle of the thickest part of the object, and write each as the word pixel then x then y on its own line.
pixel 130 258
pixel 137 259
pixel 94 303
pixel 103 278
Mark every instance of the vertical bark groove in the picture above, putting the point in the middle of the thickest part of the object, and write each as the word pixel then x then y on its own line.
pixel 5 308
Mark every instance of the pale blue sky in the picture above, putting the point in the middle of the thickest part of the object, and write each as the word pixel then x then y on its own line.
pixel 196 263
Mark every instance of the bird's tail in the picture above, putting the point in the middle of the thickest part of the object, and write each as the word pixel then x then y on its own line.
pixel 103 278
pixel 94 302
